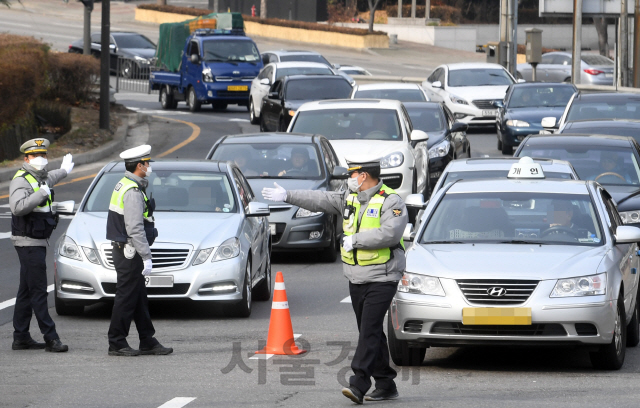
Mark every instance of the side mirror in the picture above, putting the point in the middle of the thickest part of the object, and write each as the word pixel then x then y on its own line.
pixel 418 135
pixel 113 47
pixel 520 81
pixel 336 66
pixel 258 209
pixel 437 84
pixel 497 104
pixel 64 207
pixel 265 81
pixel 194 58
pixel 626 234
pixel 340 173
pixel 407 235
pixel 273 95
pixel 549 122
pixel 415 201
pixel 459 127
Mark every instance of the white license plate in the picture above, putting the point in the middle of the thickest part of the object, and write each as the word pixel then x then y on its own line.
pixel 488 113
pixel 272 227
pixel 608 75
pixel 158 281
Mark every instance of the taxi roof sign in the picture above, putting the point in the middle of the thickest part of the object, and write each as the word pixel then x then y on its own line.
pixel 526 168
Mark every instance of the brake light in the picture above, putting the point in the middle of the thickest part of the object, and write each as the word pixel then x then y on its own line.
pixel 593 71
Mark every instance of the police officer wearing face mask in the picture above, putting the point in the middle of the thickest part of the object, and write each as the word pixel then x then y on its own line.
pixel 374 218
pixel 131 229
pixel 32 222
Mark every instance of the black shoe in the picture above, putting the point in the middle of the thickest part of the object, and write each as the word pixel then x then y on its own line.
pixel 381 395
pixel 353 394
pixel 124 352
pixel 158 350
pixel 29 344
pixel 56 346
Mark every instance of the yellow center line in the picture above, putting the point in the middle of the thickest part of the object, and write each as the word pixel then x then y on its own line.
pixel 194 136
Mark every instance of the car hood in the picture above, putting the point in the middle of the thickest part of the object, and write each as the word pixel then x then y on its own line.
pixel 202 230
pixel 534 115
pixel 365 150
pixel 435 137
pixel 618 193
pixel 141 52
pixel 471 93
pixel 502 261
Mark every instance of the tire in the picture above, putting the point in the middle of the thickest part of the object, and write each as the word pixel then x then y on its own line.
pixel 505 148
pixel 63 309
pixel 192 100
pixel 633 328
pixel 263 126
pixel 166 99
pixel 330 253
pixel 243 307
pixel 262 292
pixel 611 356
pixel 219 105
pixel 399 350
pixel 499 141
pixel 252 114
pixel 127 69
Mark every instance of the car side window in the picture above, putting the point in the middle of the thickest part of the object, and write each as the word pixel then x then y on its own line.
pixel 95 38
pixel 406 120
pixel 193 48
pixel 276 87
pixel 448 116
pixel 242 190
pixel 269 73
pixel 263 73
pixel 612 213
pixel 328 159
pixel 562 60
pixel 433 76
pixel 440 76
pixel 547 59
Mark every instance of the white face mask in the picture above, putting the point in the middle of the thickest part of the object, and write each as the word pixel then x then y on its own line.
pixel 147 170
pixel 352 184
pixel 38 163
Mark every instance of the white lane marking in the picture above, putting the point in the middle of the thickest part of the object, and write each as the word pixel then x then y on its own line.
pixel 177 402
pixel 16 24
pixel 11 302
pixel 261 356
pixel 5 205
pixel 295 336
pixel 346 300
pixel 239 120
pixel 486 155
pixel 5 235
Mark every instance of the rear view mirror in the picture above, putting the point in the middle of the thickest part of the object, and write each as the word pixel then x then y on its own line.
pixel 274 95
pixel 418 135
pixel 113 47
pixel 265 81
pixel 459 127
pixel 549 122
pixel 64 207
pixel 414 201
pixel 340 173
pixel 194 58
pixel 257 209
pixel 520 81
pixel 437 84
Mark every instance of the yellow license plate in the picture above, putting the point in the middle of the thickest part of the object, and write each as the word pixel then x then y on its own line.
pixel 238 88
pixel 496 315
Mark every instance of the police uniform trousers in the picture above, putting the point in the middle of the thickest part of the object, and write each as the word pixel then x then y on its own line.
pixel 32 294
pixel 131 302
pixel 370 303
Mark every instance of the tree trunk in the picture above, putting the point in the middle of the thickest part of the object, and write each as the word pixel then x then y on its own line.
pixel 161 2
pixel 603 35
pixel 263 8
pixel 373 4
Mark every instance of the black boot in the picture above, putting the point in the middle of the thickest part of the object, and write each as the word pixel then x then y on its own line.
pixel 353 394
pixel 381 395
pixel 29 344
pixel 56 346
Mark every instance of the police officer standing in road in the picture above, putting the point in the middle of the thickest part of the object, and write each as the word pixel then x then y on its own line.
pixel 32 222
pixel 374 219
pixel 130 227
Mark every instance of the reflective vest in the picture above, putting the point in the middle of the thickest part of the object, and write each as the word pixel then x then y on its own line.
pixel 370 220
pixel 116 230
pixel 40 222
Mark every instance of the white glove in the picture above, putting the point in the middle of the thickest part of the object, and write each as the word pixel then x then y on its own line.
pixel 148 264
pixel 347 243
pixel 45 187
pixel 274 194
pixel 67 163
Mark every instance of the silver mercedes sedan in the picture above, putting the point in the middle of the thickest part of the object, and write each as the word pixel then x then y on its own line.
pixel 519 262
pixel 213 240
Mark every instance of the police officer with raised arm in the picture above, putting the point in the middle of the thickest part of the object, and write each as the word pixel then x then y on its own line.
pixel 32 222
pixel 374 219
pixel 131 229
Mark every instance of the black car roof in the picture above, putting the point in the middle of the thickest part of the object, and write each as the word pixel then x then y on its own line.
pixel 307 77
pixel 607 97
pixel 566 139
pixel 177 164
pixel 271 137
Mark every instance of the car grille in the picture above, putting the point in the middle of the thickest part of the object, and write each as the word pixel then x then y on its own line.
pixel 484 103
pixel 233 94
pixel 541 329
pixel 177 289
pixel 413 326
pixel 392 180
pixel 163 258
pixel 477 290
pixel 229 79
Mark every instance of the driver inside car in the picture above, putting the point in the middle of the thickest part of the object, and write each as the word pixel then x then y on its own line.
pixel 299 160
pixel 612 169
pixel 565 220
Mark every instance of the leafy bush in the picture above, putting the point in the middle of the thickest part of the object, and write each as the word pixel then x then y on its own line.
pixel 71 77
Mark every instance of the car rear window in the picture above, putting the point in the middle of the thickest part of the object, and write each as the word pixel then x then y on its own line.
pixel 618 108
pixel 339 124
pixel 304 57
pixel 596 59
pixel 402 95
pixel 282 72
pixel 316 89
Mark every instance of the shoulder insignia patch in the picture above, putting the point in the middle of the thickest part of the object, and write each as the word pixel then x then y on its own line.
pixel 397 213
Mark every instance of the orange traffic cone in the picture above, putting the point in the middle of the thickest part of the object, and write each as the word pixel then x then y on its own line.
pixel 280 339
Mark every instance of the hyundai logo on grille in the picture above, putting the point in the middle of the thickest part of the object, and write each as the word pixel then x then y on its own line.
pixel 236 72
pixel 496 291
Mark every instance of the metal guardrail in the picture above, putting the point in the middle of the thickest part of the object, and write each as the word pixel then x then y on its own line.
pixel 133 76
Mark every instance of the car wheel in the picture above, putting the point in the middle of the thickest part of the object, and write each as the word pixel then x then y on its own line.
pixel 633 328
pixel 506 149
pixel 166 99
pixel 611 356
pixel 63 309
pixel 399 350
pixel 192 100
pixel 243 307
pixel 262 291
pixel 252 114
pixel 219 105
pixel 330 253
pixel 126 69
pixel 263 126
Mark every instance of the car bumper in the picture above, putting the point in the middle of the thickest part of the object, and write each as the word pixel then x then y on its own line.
pixel 600 79
pixel 471 115
pixel 294 234
pixel 400 179
pixel 437 165
pixel 220 92
pixel 512 136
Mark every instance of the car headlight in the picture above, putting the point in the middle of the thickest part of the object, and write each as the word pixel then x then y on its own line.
pixel 439 150
pixel 394 159
pixel 207 76
pixel 142 60
pixel 91 254
pixel 457 99
pixel 517 123
pixel 425 285
pixel 202 256
pixel 69 249
pixel 303 213
pixel 229 249
pixel 582 286
pixel 630 217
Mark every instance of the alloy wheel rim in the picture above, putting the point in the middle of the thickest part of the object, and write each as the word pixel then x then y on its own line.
pixel 191 98
pixel 163 96
pixel 252 114
pixel 617 334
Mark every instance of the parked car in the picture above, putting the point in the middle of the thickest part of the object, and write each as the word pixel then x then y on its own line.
pixel 371 129
pixel 447 138
pixel 353 70
pixel 294 161
pixel 214 243
pixel 556 67
pixel 274 71
pixel 287 94
pixel 524 107
pixel 469 90
pixel 135 51
pixel 402 92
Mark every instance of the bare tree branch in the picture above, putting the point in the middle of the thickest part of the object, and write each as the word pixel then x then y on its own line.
pixel 373 4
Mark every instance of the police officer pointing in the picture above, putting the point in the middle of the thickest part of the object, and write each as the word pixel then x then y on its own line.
pixel 32 222
pixel 130 227
pixel 374 218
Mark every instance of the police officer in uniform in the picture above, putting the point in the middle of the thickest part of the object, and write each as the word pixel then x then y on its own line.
pixel 32 222
pixel 130 228
pixel 374 218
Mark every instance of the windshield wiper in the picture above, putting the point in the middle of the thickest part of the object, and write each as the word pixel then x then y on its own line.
pixel 443 242
pixel 522 241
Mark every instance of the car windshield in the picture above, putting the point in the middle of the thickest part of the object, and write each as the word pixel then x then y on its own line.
pixel 273 160
pixel 479 77
pixel 614 108
pixel 282 72
pixel 595 59
pixel 402 95
pixel 514 217
pixel 489 174
pixel 316 89
pixel 538 97
pixel 133 41
pixel 304 57
pixel 230 51
pixel 339 124
pixel 604 165
pixel 173 191
pixel 427 120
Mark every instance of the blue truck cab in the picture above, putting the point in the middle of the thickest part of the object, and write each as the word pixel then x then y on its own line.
pixel 217 68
